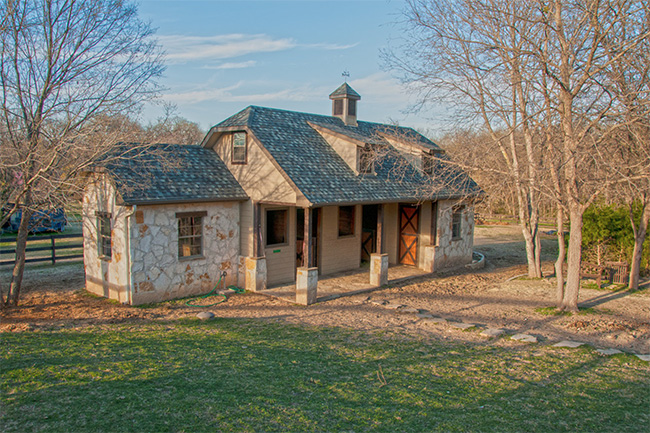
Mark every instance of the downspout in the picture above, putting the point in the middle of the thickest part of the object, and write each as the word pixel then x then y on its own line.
pixel 129 288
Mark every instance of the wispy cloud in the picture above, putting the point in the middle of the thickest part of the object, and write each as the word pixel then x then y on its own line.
pixel 184 48
pixel 232 65
pixel 227 94
pixel 331 47
pixel 180 48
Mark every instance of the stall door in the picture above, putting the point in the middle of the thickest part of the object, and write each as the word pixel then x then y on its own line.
pixel 408 235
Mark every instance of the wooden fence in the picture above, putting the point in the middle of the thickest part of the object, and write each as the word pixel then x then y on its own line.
pixel 615 272
pixel 46 249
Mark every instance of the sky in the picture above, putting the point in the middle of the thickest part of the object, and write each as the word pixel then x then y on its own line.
pixel 223 56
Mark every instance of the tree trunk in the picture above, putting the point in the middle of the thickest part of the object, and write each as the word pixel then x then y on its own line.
pixel 639 238
pixel 561 256
pixel 570 299
pixel 19 267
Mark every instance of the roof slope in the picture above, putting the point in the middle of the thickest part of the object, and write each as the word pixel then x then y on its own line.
pixel 324 177
pixel 171 173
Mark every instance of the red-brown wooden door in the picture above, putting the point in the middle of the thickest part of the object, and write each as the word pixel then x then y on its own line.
pixel 408 235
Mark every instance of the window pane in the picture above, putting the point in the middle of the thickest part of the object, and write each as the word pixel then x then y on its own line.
pixel 239 147
pixel 276 227
pixel 456 219
pixel 104 235
pixel 189 236
pixel 346 220
pixel 365 160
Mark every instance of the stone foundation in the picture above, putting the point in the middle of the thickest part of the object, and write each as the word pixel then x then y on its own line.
pixel 255 274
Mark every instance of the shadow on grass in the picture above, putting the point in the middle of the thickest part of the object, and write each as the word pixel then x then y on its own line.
pixel 242 375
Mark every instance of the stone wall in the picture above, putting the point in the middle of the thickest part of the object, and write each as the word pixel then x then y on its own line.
pixel 159 274
pixel 105 276
pixel 453 252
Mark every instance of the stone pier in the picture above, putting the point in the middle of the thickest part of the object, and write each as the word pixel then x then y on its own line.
pixel 378 269
pixel 306 285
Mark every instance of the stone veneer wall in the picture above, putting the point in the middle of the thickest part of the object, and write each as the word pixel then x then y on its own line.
pixel 450 253
pixel 159 274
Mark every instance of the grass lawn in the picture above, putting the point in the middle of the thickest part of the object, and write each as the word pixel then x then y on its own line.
pixel 243 375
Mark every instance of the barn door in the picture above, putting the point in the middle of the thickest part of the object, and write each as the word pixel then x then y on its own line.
pixel 408 235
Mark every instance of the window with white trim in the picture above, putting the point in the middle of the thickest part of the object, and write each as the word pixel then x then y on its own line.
pixel 239 150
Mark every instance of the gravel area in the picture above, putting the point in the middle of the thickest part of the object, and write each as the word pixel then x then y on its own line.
pixel 488 299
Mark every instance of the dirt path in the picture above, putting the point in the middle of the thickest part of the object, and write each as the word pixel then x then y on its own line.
pixel 54 298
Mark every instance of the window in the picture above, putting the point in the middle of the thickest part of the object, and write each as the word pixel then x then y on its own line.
pixel 276 227
pixel 346 220
pixel 104 235
pixel 364 158
pixel 434 223
pixel 456 220
pixel 239 148
pixel 190 234
pixel 427 164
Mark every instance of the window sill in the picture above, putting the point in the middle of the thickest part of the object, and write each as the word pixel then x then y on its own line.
pixel 352 236
pixel 190 258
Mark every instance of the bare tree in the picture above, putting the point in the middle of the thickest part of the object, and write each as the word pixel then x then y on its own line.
pixel 66 66
pixel 470 54
pixel 535 74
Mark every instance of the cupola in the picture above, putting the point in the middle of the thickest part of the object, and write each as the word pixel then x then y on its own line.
pixel 344 104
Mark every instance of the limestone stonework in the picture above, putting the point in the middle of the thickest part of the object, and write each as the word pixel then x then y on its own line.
pixel 158 273
pixel 145 265
pixel 453 252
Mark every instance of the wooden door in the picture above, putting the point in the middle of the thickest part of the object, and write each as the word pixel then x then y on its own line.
pixel 408 235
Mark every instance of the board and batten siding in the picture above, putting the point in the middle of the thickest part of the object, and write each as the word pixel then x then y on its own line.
pixel 339 253
pixel 391 232
pixel 281 259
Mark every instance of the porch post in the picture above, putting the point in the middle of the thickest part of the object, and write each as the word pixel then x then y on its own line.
pixel 257 231
pixel 255 274
pixel 307 276
pixel 308 260
pixel 380 228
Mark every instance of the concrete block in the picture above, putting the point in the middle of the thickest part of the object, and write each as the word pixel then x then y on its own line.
pixel 378 269
pixel 306 285
pixel 255 274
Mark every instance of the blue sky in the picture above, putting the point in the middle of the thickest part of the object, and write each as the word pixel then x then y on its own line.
pixel 223 56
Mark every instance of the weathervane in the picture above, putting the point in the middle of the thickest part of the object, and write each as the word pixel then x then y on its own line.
pixel 345 75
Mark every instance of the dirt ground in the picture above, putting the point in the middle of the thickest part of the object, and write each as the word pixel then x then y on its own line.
pixel 53 298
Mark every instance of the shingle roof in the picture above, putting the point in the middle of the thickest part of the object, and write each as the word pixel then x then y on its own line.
pixel 170 173
pixel 343 91
pixel 323 177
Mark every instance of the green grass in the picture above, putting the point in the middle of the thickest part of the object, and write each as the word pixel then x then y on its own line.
pixel 244 376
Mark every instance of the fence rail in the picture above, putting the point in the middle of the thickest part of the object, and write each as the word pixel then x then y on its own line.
pixel 46 243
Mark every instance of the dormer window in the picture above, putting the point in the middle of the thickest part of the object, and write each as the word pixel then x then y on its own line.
pixel 365 160
pixel 239 148
pixel 427 164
